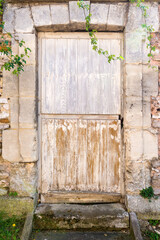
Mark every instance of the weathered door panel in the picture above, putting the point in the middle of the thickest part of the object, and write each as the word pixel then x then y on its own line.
pixel 80 104
pixel 76 80
pixel 80 155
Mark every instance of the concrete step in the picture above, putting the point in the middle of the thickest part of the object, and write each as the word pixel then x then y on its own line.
pixel 76 235
pixel 77 216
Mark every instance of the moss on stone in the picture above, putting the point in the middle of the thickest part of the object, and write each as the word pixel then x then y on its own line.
pixel 49 222
pixel 16 206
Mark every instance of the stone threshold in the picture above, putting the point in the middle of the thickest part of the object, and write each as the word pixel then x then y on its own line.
pixel 112 216
pixel 63 1
pixel 66 1
pixel 76 235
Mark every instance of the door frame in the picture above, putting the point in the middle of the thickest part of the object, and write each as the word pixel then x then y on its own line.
pixel 109 197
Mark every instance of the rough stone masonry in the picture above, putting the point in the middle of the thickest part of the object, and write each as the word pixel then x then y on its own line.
pixel 19 98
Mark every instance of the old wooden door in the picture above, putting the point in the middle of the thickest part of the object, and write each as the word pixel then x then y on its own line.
pixel 80 105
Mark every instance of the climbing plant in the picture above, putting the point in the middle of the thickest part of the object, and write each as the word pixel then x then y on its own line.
pixel 13 62
pixel 16 62
pixel 94 41
pixel 147 28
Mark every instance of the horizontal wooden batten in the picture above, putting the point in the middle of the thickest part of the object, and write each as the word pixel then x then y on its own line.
pixel 80 197
pixel 85 117
pixel 79 35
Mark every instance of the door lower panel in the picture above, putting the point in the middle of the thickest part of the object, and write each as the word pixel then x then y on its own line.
pixel 81 155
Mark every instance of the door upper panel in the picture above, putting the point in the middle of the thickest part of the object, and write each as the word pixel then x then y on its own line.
pixel 75 79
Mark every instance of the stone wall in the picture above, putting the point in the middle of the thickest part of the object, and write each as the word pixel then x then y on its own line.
pixel 140 138
pixel 4 124
pixel 155 114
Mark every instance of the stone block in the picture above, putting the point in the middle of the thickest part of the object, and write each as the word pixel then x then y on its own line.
pixel 156 163
pixel 4 113
pixel 30 41
pixel 15 46
pixel 41 15
pixel 143 208
pixel 133 47
pixel 14 111
pixel 77 15
pixel 156 123
pixel 8 18
pixel 4 175
pixel 135 230
pixel 150 145
pixel 28 145
pixel 153 15
pixel 3 100
pixel 27 113
pixel 145 50
pixel 150 82
pixel 23 179
pixel 60 14
pixel 74 216
pixel 137 176
pixel 99 13
pixel 10 147
pixel 133 80
pixel 133 112
pixel 146 114
pixel 135 18
pixel 27 81
pixel 134 144
pixel 23 20
pixel 4 165
pixel 117 17
pixel 4 126
pixel 10 84
pixel 28 227
pixel 3 191
pixel 4 183
pixel 15 206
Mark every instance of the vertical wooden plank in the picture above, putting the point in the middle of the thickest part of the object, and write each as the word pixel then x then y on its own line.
pixel 114 156
pixel 103 184
pixel 93 87
pixel 72 93
pixel 105 78
pixel 48 77
pixel 61 151
pixel 61 78
pixel 115 108
pixel 93 155
pixel 82 74
pixel 71 155
pixel 82 156
pixel 43 72
pixel 47 154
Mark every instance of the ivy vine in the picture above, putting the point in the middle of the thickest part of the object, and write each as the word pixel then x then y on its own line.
pixel 94 41
pixel 13 62
pixel 16 62
pixel 93 38
pixel 147 28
